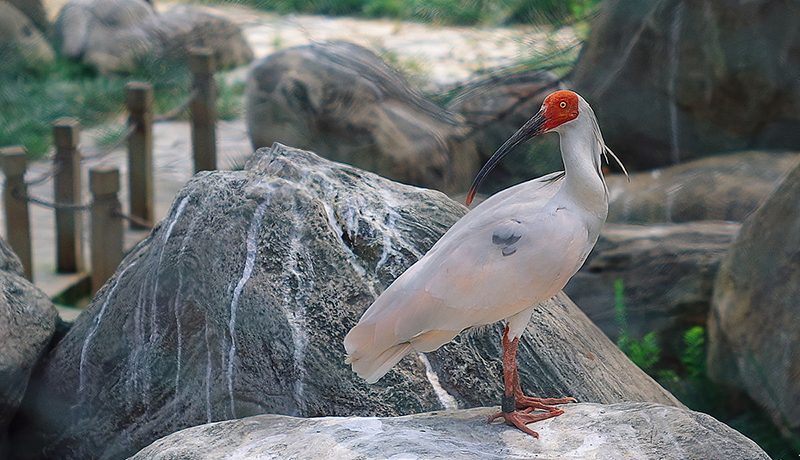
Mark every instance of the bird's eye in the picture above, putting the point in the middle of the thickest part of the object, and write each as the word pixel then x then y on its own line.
pixel 563 104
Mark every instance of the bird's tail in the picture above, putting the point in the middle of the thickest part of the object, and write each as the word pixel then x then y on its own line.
pixel 372 368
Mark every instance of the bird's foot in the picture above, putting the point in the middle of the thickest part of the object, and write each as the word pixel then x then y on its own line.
pixel 524 402
pixel 520 418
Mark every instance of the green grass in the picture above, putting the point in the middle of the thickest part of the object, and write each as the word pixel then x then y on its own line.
pixel 689 382
pixel 31 101
pixel 446 12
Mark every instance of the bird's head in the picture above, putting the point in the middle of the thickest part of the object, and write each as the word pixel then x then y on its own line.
pixel 557 109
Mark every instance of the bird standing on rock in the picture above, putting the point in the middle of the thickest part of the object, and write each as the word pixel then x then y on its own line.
pixel 514 250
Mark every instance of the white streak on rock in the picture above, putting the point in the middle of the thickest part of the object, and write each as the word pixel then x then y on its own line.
pixel 208 373
pixel 163 243
pixel 92 331
pixel 249 263
pixel 447 400
pixel 294 307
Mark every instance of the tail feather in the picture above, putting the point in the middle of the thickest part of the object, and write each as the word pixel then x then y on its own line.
pixel 372 368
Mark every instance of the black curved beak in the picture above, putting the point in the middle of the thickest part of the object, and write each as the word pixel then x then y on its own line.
pixel 531 128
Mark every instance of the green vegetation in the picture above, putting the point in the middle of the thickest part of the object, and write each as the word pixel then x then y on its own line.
pixel 30 102
pixel 451 12
pixel 689 382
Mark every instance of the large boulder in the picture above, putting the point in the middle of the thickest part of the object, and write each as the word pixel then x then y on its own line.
pixel 184 27
pixel 675 80
pixel 238 303
pixel 104 34
pixel 116 35
pixel 34 10
pixel 754 323
pixel 22 45
pixel 342 101
pixel 668 274
pixel 722 187
pixel 27 322
pixel 589 431
pixel 495 108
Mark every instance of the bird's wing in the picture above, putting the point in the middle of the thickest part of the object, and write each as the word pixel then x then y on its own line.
pixel 483 272
pixel 494 270
pixel 507 254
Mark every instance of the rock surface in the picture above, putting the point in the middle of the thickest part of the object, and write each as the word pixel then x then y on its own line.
pixel 754 324
pixel 104 34
pixel 495 108
pixel 676 80
pixel 237 304
pixel 586 431
pixel 27 322
pixel 114 35
pixel 181 28
pixel 34 10
pixel 344 102
pixel 21 43
pixel 724 187
pixel 668 273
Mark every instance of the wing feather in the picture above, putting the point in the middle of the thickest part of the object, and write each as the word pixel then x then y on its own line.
pixel 484 269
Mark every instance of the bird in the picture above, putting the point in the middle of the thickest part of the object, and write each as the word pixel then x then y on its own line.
pixel 516 249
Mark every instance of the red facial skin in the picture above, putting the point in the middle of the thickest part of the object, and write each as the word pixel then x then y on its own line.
pixel 559 108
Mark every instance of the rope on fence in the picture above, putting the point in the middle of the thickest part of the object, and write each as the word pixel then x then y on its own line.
pixel 78 207
pixel 174 113
pixel 103 151
pixel 99 152
pixel 49 204
pixel 130 218
pixel 46 176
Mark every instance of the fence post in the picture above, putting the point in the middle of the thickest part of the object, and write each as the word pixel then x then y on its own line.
pixel 18 222
pixel 67 189
pixel 107 235
pixel 203 110
pixel 139 97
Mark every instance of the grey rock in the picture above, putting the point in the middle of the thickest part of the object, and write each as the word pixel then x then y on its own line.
pixel 677 80
pixel 668 273
pixel 182 28
pixel 104 34
pixel 238 303
pixel 723 187
pixel 22 45
pixel 34 10
pixel 27 322
pixel 115 35
pixel 495 108
pixel 343 102
pixel 9 261
pixel 754 323
pixel 587 431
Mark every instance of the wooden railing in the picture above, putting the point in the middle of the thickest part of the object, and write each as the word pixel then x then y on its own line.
pixel 106 221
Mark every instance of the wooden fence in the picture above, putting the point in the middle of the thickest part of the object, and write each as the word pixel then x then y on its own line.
pixel 106 216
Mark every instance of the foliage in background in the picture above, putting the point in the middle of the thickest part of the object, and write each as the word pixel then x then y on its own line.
pixel 31 102
pixel 644 352
pixel 450 12
pixel 690 383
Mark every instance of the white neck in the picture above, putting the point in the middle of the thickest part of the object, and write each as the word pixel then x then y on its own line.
pixel 583 184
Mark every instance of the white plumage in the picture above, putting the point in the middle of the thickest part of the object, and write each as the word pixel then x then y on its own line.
pixel 513 251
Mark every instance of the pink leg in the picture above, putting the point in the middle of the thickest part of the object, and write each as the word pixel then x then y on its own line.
pixel 515 399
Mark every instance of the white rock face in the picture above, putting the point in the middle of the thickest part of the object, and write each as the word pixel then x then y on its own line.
pixel 585 431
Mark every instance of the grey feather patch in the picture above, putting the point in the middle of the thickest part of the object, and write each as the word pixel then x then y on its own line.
pixel 506 234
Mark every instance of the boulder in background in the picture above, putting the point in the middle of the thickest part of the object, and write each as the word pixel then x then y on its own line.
pixel 754 323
